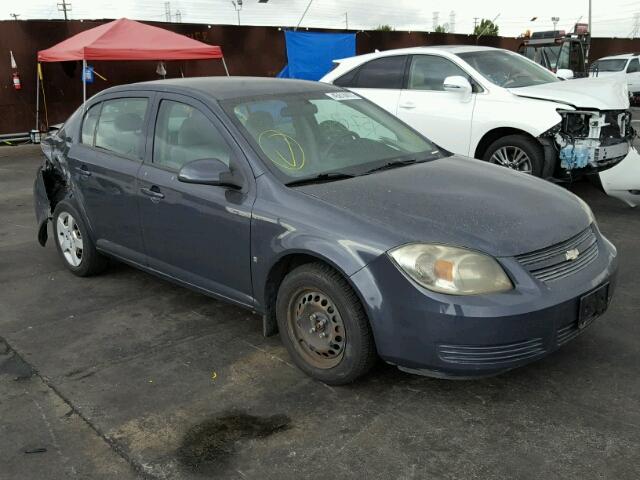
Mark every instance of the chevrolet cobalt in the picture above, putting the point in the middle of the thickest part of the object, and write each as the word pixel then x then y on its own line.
pixel 351 234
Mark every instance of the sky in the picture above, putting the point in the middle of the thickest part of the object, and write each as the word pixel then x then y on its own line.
pixel 610 18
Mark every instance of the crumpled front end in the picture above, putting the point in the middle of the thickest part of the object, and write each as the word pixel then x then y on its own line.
pixel 591 140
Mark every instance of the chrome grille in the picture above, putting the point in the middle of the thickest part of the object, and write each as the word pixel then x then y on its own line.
pixel 494 354
pixel 549 264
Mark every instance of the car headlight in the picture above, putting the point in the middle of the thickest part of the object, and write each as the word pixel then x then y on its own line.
pixel 452 270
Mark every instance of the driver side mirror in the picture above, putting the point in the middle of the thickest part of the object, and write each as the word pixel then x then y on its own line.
pixel 459 85
pixel 564 74
pixel 209 171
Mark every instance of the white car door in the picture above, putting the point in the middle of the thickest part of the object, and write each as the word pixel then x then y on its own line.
pixel 633 75
pixel 379 80
pixel 442 116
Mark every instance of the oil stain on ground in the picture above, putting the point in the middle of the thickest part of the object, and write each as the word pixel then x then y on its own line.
pixel 208 447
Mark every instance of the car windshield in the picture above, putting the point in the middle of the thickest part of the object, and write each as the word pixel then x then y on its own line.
pixel 326 135
pixel 507 69
pixel 613 65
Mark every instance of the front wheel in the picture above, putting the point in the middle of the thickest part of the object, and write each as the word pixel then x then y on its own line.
pixel 323 325
pixel 517 152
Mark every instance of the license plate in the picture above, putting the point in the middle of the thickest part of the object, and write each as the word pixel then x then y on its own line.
pixel 592 305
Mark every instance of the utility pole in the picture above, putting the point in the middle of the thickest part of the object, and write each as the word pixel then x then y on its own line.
pixel 237 4
pixel 303 15
pixel 436 20
pixel 14 15
pixel 555 21
pixel 346 20
pixel 589 22
pixel 64 7
pixel 452 22
pixel 475 22
pixel 167 11
pixel 636 26
pixel 178 16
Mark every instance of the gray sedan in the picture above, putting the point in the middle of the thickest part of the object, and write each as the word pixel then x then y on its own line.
pixel 353 235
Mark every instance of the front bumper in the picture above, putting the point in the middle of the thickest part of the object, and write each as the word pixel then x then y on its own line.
pixel 473 336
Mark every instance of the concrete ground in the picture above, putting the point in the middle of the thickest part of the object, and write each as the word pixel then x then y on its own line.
pixel 124 375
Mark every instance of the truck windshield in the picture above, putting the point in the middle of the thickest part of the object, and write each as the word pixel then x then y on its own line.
pixel 613 65
pixel 507 69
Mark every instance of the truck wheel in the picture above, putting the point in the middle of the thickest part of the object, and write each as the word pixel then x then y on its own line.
pixel 517 152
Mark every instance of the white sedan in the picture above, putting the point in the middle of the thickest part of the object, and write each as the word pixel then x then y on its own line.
pixel 499 106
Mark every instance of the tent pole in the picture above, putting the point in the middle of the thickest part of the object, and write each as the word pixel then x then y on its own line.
pixel 37 97
pixel 84 83
pixel 224 64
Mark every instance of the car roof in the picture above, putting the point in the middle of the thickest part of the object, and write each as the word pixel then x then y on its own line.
pixel 224 88
pixel 450 49
pixel 622 56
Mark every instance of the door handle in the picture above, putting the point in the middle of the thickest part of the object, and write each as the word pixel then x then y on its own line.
pixel 84 171
pixel 407 105
pixel 153 192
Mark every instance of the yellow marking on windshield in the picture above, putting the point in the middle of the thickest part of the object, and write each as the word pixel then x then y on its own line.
pixel 289 160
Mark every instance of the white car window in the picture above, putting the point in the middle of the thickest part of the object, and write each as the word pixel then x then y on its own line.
pixel 428 72
pixel 634 66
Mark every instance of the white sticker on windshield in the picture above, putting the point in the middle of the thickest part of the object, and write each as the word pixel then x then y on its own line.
pixel 343 96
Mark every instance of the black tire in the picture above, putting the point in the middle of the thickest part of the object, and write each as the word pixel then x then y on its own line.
pixel 91 262
pixel 528 145
pixel 358 352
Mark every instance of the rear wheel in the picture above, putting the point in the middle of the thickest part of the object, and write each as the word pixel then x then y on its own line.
pixel 323 325
pixel 74 243
pixel 517 152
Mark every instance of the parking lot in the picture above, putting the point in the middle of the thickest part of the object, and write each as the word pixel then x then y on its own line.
pixel 124 375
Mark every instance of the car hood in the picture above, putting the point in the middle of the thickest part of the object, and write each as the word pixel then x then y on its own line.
pixel 590 93
pixel 459 201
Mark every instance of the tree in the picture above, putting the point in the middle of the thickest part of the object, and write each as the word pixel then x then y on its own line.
pixel 486 28
pixel 384 28
pixel 441 29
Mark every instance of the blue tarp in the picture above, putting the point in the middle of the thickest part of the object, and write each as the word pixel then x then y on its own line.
pixel 310 55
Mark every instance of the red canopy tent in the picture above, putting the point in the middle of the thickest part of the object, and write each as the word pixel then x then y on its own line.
pixel 125 39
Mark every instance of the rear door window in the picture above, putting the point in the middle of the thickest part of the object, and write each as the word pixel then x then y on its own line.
pixel 385 72
pixel 121 126
pixel 634 66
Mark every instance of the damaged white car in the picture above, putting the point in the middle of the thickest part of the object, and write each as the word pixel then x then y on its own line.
pixel 496 105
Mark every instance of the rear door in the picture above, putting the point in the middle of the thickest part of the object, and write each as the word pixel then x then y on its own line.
pixel 199 234
pixel 379 80
pixel 104 167
pixel 444 117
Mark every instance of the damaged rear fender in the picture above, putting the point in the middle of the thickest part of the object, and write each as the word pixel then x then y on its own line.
pixel 48 190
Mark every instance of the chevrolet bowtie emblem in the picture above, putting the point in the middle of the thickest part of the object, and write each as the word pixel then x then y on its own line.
pixel 572 254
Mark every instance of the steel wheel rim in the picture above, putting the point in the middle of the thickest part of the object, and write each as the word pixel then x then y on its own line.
pixel 316 328
pixel 69 239
pixel 512 157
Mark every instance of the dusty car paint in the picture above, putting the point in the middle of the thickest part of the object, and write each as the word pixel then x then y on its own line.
pixel 348 224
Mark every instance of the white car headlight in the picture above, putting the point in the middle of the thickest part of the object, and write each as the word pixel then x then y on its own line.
pixel 452 270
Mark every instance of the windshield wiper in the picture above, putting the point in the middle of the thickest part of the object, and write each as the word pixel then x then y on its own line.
pixel 392 164
pixel 320 178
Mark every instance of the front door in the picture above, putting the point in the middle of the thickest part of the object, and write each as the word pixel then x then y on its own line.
pixel 444 117
pixel 633 76
pixel 104 167
pixel 198 234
